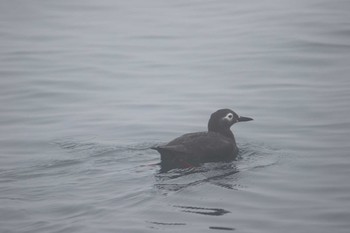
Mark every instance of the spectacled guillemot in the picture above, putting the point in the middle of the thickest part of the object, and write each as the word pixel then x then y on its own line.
pixel 192 149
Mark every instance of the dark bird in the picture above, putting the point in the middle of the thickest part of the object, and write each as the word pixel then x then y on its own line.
pixel 192 149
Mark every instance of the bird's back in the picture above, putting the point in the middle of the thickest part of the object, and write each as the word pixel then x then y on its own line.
pixel 198 147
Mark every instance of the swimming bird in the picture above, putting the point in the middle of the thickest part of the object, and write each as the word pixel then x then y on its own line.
pixel 192 149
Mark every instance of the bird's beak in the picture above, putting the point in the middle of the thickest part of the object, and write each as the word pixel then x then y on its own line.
pixel 242 118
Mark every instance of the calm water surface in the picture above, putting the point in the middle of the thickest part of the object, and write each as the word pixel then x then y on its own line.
pixel 88 86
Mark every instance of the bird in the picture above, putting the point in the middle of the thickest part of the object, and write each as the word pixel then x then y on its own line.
pixel 193 149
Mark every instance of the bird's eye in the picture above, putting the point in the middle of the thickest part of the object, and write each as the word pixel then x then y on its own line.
pixel 230 116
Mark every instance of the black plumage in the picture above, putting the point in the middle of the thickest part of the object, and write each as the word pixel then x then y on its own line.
pixel 217 144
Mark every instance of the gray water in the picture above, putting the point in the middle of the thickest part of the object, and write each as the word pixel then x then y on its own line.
pixel 88 86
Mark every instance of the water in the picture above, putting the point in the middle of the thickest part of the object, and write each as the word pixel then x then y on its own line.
pixel 88 86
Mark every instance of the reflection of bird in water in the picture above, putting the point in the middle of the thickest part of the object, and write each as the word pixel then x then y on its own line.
pixel 220 174
pixel 192 149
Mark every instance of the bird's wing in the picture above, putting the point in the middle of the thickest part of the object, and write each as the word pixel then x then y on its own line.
pixel 171 148
pixel 202 143
pixel 214 143
pixel 180 145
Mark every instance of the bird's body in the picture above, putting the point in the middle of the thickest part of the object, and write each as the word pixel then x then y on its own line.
pixel 203 145
pixel 217 144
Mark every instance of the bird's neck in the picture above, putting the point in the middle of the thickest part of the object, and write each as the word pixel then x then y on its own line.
pixel 214 126
pixel 227 133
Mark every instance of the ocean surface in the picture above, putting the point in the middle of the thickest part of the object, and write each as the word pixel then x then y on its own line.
pixel 87 87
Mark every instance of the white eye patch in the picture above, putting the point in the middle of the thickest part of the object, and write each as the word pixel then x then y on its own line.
pixel 229 117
